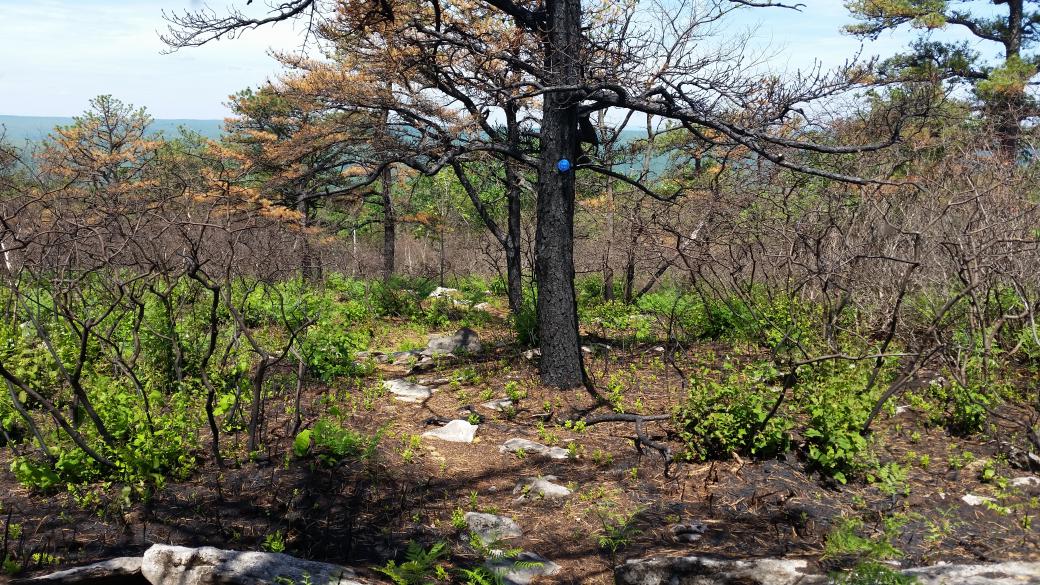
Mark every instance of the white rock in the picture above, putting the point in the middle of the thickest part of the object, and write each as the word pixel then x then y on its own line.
pixel 973 500
pixel 490 528
pixel 1026 481
pixel 122 569
pixel 530 447
pixel 178 565
pixel 1010 573
pixel 540 487
pixel 533 566
pixel 443 291
pixel 406 391
pixel 456 431
pixel 482 307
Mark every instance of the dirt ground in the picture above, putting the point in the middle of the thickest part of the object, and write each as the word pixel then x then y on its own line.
pixel 362 513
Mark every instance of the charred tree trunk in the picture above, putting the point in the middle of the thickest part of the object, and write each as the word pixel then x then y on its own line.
pixel 389 227
pixel 561 362
pixel 310 262
pixel 514 265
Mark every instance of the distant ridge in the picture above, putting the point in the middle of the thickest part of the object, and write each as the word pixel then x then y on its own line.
pixel 19 129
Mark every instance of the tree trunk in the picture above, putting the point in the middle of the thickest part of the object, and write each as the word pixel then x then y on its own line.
pixel 1010 107
pixel 514 265
pixel 310 263
pixel 561 362
pixel 389 227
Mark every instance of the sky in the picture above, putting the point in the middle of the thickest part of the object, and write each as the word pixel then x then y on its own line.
pixel 59 54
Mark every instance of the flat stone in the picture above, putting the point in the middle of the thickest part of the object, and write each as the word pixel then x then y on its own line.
pixel 456 431
pixel 532 448
pixel 482 307
pixel 498 404
pixel 490 528
pixel 973 500
pixel 178 565
pixel 118 571
pixel 540 487
pixel 443 291
pixel 1026 481
pixel 1010 573
pixel 406 391
pixel 401 356
pixel 464 340
pixel 511 574
pixel 695 570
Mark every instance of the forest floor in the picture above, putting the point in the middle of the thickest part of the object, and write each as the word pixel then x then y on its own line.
pixel 362 512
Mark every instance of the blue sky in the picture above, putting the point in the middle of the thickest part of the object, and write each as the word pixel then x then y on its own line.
pixel 59 54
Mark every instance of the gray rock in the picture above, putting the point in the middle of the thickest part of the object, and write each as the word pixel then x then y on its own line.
pixel 178 565
pixel 1026 481
pixel 482 307
pixel 707 571
pixel 499 404
pixel 490 528
pixel 1010 573
pixel 531 354
pixel 464 340
pixel 532 448
pixel 689 532
pixel 521 575
pixel 540 487
pixel 456 431
pixel 406 391
pixel 402 356
pixel 119 571
pixel 693 570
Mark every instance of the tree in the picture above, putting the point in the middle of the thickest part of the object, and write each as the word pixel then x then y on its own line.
pixel 571 61
pixel 1001 87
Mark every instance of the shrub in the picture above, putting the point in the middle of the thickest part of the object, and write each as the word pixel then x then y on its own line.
pixel 720 418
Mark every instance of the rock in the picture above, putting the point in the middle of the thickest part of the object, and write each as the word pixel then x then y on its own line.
pixel 424 365
pixel 482 307
pixel 694 570
pixel 456 431
pixel 1027 481
pixel 464 340
pixel 119 571
pixel 707 571
pixel 401 356
pixel 532 353
pixel 406 391
pixel 540 487
pixel 690 532
pixel 532 448
pixel 178 565
pixel 1010 573
pixel 498 404
pixel 443 291
pixel 376 356
pixel 523 575
pixel 973 500
pixel 490 528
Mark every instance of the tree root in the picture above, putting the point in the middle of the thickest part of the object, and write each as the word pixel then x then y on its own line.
pixel 642 439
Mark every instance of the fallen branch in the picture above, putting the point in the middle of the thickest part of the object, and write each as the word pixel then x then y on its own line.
pixel 639 421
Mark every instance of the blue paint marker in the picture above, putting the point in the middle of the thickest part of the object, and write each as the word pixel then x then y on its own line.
pixel 564 165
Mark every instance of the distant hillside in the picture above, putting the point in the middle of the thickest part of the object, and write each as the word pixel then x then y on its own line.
pixel 19 129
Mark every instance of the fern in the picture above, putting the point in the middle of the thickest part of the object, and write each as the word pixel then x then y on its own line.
pixel 420 566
